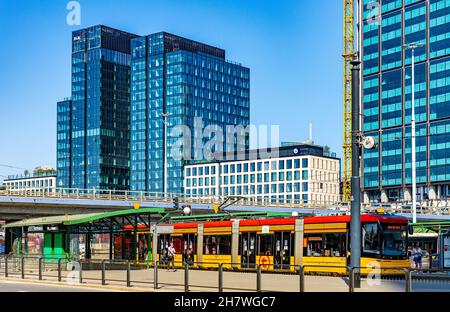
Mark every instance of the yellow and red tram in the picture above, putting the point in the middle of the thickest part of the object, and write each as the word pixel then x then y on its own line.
pixel 320 243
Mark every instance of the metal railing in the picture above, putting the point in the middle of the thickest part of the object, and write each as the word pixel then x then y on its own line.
pixel 142 196
pixel 221 277
pixel 434 207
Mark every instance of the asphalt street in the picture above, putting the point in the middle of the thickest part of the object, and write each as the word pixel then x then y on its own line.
pixel 9 286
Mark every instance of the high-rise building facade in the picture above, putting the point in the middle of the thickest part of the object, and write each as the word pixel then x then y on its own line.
pixel 99 111
pixel 183 80
pixel 386 27
pixel 64 143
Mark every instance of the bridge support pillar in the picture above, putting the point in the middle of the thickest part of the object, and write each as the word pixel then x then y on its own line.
pixel 432 194
pixel 366 198
pixel 384 197
pixel 407 195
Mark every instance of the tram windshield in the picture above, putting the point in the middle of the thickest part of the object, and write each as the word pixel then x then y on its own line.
pixel 394 244
pixel 388 241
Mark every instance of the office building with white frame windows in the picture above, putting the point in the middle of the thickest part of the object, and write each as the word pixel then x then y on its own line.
pixel 39 183
pixel 298 174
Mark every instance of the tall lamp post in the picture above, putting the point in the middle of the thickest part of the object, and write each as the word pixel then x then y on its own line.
pixel 355 222
pixel 164 119
pixel 412 47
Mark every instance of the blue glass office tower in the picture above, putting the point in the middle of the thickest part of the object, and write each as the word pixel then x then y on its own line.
pixel 99 113
pixel 185 79
pixel 387 26
pixel 64 143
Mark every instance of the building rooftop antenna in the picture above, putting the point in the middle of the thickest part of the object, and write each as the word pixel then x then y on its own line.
pixel 310 141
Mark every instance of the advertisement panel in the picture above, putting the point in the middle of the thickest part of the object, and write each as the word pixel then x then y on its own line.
pixel 2 242
pixel 447 252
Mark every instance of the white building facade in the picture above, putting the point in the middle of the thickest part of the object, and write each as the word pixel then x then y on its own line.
pixel 299 174
pixel 43 183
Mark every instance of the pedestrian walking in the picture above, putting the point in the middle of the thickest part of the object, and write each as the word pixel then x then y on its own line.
pixel 417 255
pixel 171 257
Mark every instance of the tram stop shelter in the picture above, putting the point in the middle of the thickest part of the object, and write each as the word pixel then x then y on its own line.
pixel 84 236
pixel 122 235
pixel 442 229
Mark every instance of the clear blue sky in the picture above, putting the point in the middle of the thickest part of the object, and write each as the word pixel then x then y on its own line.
pixel 293 48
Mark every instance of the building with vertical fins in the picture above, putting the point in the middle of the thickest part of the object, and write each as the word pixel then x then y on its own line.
pixel 386 27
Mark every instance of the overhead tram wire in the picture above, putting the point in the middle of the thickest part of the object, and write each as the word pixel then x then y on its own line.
pixel 12 167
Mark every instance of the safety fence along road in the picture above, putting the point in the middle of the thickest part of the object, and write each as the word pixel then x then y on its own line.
pixel 223 277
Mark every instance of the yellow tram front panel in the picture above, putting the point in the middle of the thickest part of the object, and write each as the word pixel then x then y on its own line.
pixel 336 265
pixel 383 266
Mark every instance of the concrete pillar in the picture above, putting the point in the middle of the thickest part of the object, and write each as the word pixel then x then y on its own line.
pixel 384 197
pixel 200 242
pixel 366 198
pixel 407 194
pixel 432 194
pixel 298 249
pixel 235 242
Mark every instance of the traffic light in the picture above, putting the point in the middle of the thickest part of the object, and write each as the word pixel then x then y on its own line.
pixel 176 203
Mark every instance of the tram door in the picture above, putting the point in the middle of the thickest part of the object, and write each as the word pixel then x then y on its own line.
pixel 283 247
pixel 248 250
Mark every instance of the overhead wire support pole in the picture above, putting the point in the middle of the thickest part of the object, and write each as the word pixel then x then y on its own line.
pixel 412 47
pixel 355 221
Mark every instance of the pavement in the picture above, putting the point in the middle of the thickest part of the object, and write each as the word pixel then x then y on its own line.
pixel 208 281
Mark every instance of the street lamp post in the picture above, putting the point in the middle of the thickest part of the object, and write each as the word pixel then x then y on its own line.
pixel 355 222
pixel 412 47
pixel 164 119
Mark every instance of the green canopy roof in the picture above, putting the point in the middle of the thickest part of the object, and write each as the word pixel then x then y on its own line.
pixel 437 226
pixel 83 218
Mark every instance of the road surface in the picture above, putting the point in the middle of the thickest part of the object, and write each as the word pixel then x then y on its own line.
pixel 12 286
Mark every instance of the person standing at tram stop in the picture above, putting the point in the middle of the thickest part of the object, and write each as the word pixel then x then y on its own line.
pixel 417 256
pixel 171 257
pixel 188 256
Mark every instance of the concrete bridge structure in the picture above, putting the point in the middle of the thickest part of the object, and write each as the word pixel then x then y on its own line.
pixel 22 204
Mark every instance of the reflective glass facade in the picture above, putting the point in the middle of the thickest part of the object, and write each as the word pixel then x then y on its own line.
pixel 387 26
pixel 185 79
pixel 99 120
pixel 64 143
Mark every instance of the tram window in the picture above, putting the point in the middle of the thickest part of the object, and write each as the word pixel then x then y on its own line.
pixel 334 245
pixel 190 242
pixel 394 240
pixel 164 242
pixel 312 246
pixel 266 243
pixel 371 238
pixel 178 244
pixel 217 245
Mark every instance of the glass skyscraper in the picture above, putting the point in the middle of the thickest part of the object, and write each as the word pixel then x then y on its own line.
pixel 387 26
pixel 64 143
pixel 93 128
pixel 185 80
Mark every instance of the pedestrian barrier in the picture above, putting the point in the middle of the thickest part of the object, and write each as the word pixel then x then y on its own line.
pixel 222 277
